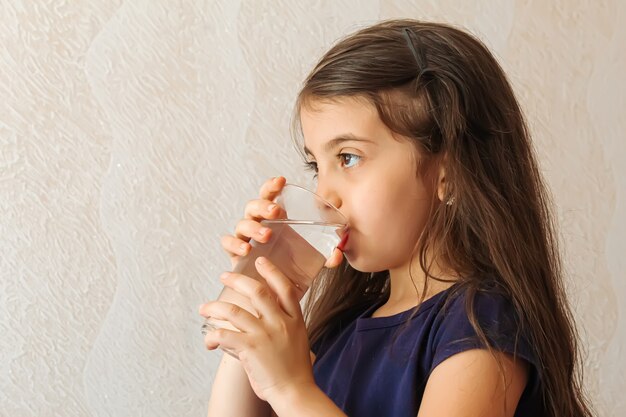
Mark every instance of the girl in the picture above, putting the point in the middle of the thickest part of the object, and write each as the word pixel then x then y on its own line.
pixel 448 298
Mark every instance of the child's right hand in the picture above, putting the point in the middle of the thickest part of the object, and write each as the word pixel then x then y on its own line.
pixel 250 226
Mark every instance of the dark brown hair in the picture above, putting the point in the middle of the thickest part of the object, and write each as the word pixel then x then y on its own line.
pixel 442 89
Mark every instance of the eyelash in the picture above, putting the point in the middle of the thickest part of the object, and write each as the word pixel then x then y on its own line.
pixel 312 166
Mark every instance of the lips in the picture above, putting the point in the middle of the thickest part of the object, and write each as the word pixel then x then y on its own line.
pixel 344 240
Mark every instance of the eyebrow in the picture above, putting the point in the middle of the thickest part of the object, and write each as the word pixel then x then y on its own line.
pixel 338 140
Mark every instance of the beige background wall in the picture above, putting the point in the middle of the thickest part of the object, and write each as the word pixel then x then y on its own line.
pixel 133 132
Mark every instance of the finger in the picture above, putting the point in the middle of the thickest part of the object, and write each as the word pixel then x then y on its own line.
pixel 335 259
pixel 235 315
pixel 272 187
pixel 251 229
pixel 261 209
pixel 235 246
pixel 228 339
pixel 263 299
pixel 282 286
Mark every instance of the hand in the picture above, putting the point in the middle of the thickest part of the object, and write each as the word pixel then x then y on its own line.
pixel 273 348
pixel 250 226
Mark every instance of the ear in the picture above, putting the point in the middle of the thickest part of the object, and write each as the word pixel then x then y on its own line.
pixel 441 180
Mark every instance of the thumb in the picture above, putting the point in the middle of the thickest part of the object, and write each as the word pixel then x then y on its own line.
pixel 334 260
pixel 280 285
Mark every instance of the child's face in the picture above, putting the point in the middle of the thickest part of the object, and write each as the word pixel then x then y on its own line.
pixel 374 183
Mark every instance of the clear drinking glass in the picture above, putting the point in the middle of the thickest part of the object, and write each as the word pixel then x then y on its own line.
pixel 303 238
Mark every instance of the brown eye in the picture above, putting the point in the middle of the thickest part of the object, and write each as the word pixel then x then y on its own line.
pixel 348 160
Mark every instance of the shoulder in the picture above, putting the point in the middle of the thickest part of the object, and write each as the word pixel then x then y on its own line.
pixel 474 317
pixel 481 356
pixel 486 297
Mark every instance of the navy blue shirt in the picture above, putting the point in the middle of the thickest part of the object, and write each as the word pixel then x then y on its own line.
pixel 366 375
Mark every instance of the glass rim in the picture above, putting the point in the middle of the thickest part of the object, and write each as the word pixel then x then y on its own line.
pixel 345 220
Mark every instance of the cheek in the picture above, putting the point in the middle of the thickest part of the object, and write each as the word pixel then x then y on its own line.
pixel 393 205
pixel 390 220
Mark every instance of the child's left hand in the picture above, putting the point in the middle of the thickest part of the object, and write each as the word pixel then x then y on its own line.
pixel 274 348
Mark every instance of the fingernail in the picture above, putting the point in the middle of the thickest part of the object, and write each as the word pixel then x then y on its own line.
pixel 224 276
pixel 275 180
pixel 260 260
pixel 263 231
pixel 243 248
pixel 271 207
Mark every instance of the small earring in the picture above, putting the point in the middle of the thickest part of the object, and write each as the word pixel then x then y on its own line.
pixel 450 201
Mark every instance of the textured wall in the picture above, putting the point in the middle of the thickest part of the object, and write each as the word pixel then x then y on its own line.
pixel 133 132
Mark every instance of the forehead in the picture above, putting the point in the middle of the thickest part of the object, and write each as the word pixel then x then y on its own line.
pixel 327 122
pixel 316 114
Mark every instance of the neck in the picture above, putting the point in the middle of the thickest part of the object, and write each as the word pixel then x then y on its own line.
pixel 407 283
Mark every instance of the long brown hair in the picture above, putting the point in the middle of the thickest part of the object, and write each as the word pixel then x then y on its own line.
pixel 443 90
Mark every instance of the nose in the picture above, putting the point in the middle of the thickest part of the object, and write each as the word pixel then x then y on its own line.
pixel 328 193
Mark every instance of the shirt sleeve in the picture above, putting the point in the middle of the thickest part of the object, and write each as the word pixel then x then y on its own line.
pixel 497 318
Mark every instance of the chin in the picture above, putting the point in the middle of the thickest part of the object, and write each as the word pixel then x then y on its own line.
pixel 363 265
